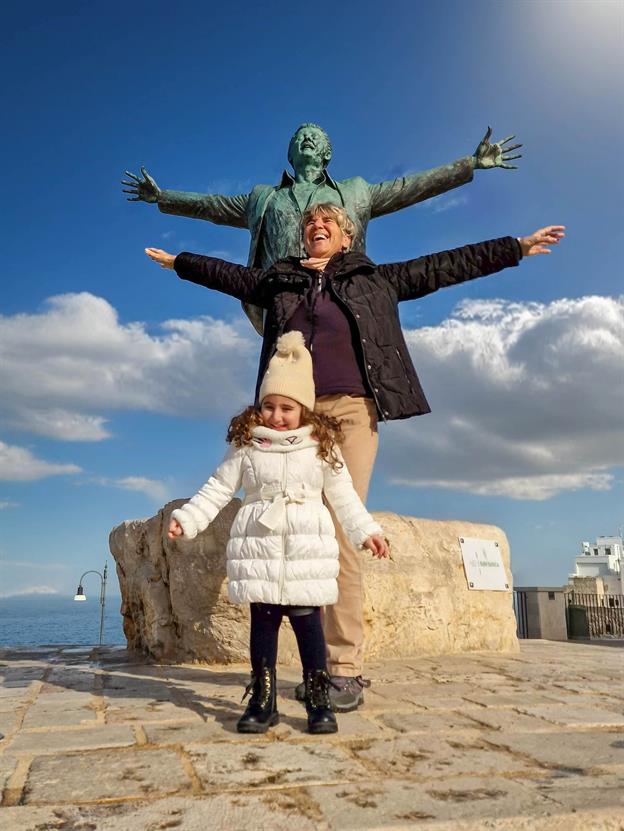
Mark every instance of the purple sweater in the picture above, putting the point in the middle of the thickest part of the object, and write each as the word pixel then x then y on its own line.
pixel 329 337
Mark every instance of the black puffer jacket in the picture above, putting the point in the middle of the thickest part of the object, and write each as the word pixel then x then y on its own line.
pixel 369 295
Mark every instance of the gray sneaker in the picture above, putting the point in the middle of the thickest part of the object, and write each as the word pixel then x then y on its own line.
pixel 346 694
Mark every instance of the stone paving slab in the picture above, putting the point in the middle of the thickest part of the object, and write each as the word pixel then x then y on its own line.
pixel 509 720
pixel 427 757
pixel 47 711
pixel 428 723
pixel 577 793
pixel 149 711
pixel 402 803
pixel 105 774
pixel 507 700
pixel 54 741
pixel 612 689
pixel 291 810
pixel 243 812
pixel 575 715
pixel 601 751
pixel 235 766
pixel 8 720
pixel 98 740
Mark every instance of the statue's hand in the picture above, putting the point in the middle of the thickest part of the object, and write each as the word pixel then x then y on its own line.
pixel 495 154
pixel 143 188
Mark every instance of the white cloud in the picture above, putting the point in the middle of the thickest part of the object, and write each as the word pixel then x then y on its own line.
pixel 40 566
pixel 8 503
pixel 527 400
pixel 18 464
pixel 150 487
pixel 156 490
pixel 62 425
pixel 64 368
pixel 444 202
pixel 30 590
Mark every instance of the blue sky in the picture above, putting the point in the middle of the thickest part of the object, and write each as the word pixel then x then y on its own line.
pixel 119 380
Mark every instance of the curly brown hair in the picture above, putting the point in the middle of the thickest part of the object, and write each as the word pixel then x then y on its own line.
pixel 325 429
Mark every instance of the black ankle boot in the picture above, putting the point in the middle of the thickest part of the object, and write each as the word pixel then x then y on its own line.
pixel 320 716
pixel 261 712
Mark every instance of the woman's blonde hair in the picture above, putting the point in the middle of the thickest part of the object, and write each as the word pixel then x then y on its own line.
pixel 326 430
pixel 343 220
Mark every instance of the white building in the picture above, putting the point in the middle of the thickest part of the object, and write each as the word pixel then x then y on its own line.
pixel 604 559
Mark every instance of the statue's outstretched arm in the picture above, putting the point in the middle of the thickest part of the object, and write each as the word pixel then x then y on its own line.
pixel 224 210
pixel 404 191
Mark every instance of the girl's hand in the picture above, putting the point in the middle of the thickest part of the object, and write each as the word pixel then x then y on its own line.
pixel 536 243
pixel 175 530
pixel 377 546
pixel 161 257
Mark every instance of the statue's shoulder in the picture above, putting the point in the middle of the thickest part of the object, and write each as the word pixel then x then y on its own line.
pixel 260 194
pixel 356 184
pixel 259 190
pixel 258 200
pixel 355 180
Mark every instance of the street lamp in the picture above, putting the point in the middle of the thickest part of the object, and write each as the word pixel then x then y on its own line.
pixel 80 595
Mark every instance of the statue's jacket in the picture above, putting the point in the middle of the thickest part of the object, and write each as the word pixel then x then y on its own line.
pixel 362 200
pixel 368 294
pixel 282 547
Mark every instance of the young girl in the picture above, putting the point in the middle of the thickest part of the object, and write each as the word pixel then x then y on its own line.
pixel 282 556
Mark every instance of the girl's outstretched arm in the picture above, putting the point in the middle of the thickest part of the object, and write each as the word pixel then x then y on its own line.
pixel 175 530
pixel 377 545
pixel 356 522
pixel 197 514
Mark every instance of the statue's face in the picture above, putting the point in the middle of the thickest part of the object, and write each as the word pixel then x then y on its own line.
pixel 323 237
pixel 309 146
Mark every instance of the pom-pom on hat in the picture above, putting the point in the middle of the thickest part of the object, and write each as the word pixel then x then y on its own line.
pixel 290 371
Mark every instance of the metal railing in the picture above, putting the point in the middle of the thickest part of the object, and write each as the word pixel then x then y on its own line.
pixel 604 613
pixel 520 611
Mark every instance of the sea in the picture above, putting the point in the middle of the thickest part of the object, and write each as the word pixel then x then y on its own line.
pixel 42 619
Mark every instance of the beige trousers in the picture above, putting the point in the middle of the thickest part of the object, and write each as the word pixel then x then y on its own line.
pixel 343 623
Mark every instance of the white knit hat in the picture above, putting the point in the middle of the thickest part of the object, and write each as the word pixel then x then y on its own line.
pixel 290 371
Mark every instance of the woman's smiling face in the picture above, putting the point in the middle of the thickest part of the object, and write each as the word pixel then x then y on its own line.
pixel 323 237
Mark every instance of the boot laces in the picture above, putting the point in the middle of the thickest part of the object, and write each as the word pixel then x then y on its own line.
pixel 319 683
pixel 259 687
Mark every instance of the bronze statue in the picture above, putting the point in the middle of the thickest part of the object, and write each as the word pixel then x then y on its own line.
pixel 273 213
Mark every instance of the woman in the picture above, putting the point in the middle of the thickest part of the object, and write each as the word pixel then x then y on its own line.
pixel 347 308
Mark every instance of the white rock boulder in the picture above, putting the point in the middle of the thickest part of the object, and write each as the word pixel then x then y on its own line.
pixel 175 605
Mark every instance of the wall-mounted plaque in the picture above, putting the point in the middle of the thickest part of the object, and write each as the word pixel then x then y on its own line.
pixel 483 565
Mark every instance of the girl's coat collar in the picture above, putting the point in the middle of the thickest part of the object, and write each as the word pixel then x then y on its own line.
pixel 282 441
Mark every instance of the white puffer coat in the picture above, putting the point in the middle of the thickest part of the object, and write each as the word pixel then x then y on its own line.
pixel 282 546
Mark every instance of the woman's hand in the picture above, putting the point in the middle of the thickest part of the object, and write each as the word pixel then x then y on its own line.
pixel 161 257
pixel 175 530
pixel 536 243
pixel 377 546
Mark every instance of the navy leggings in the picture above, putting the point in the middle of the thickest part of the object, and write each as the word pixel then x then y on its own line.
pixel 266 619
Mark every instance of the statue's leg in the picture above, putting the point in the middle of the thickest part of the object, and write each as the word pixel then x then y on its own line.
pixel 343 623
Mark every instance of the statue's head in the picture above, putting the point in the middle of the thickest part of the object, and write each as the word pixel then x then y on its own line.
pixel 309 144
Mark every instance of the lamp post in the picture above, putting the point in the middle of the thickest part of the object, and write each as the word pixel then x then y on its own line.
pixel 80 595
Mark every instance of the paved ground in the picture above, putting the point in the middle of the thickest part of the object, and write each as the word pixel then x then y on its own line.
pixel 100 740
